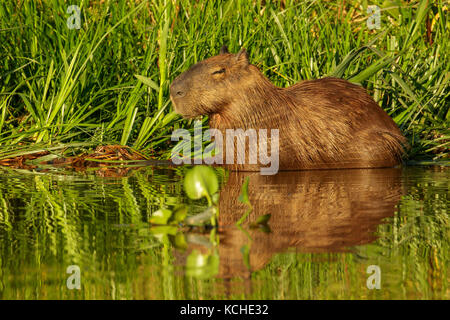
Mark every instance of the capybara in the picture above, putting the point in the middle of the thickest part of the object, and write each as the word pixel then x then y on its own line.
pixel 324 123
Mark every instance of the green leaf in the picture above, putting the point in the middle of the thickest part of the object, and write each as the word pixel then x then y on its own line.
pixel 196 260
pixel 371 70
pixel 243 197
pixel 215 198
pixel 147 81
pixel 200 181
pixel 202 217
pixel 202 265
pixel 262 223
pixel 179 214
pixel 161 216
pixel 245 250
pixel 162 233
pixel 263 219
pixel 159 231
pixel 179 241
pixel 129 122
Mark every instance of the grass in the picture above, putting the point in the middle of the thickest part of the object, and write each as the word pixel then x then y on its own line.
pixel 107 82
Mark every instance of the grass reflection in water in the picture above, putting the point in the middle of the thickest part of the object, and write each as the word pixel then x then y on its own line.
pixel 326 228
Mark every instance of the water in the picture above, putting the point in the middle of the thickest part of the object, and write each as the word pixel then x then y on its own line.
pixel 326 229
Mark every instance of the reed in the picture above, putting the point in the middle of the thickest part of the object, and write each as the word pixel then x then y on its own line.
pixel 107 82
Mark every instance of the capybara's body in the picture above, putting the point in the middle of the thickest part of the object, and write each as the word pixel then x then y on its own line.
pixel 325 123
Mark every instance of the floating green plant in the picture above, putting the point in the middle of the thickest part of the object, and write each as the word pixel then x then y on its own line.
pixel 199 182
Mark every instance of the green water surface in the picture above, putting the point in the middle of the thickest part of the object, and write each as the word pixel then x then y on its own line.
pixel 326 229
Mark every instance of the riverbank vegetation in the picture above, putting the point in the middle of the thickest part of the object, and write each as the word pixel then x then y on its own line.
pixel 66 91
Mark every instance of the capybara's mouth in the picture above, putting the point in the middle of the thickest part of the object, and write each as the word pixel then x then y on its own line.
pixel 188 116
pixel 193 116
pixel 176 108
pixel 185 115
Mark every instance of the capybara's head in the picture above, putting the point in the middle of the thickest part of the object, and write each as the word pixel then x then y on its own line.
pixel 210 85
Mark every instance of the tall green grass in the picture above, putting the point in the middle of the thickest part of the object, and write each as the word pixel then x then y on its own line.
pixel 108 81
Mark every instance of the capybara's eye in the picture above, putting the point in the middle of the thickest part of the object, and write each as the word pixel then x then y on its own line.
pixel 219 71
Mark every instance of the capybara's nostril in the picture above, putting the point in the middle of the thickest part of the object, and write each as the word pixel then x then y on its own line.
pixel 176 90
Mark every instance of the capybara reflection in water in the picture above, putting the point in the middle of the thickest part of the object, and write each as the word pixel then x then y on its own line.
pixel 324 123
pixel 311 211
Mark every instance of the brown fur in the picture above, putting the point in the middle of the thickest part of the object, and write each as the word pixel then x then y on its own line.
pixel 325 123
pixel 311 211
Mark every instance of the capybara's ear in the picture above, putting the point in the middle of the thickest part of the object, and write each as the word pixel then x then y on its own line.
pixel 242 57
pixel 224 49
